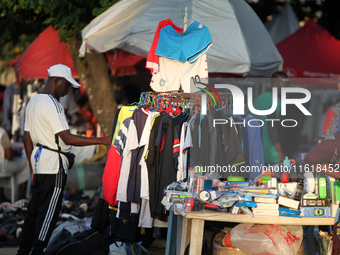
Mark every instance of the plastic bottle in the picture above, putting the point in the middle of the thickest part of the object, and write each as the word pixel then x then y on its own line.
pixel 286 164
pixel 286 167
pixel 284 177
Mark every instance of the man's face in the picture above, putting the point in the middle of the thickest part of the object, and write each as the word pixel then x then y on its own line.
pixel 63 87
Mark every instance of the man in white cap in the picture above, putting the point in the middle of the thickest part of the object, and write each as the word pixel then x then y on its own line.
pixel 47 141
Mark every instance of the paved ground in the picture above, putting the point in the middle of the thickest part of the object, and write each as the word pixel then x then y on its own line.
pixel 8 250
pixel 151 251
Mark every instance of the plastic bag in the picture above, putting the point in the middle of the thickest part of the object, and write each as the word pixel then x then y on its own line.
pixel 267 239
pixel 119 248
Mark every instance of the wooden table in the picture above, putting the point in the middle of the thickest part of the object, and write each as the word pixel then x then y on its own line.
pixel 193 225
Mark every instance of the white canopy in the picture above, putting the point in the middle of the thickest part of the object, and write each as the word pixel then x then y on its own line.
pixel 283 24
pixel 241 44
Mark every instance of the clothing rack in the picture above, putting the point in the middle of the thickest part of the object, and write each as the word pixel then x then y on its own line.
pixel 185 100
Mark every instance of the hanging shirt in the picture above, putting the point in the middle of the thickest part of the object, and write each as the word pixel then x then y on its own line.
pixel 264 102
pixel 254 146
pixel 176 145
pixel 144 141
pixel 173 74
pixel 112 170
pixel 213 138
pixel 152 160
pixel 225 152
pixel 188 138
pixel 201 142
pixel 145 219
pixel 235 144
pixel 182 158
pixel 159 142
pixel 167 172
pixel 152 59
pixel 125 112
pixel 134 183
pixel 125 166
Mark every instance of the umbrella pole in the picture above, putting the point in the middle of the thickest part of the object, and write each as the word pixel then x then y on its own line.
pixel 185 19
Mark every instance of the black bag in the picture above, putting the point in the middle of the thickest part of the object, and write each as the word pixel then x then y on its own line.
pixel 70 156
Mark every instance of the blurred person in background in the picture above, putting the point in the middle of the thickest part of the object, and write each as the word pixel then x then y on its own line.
pixel 18 166
pixel 13 94
pixel 331 122
pixel 272 147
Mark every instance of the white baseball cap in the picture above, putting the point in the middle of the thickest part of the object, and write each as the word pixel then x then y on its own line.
pixel 62 71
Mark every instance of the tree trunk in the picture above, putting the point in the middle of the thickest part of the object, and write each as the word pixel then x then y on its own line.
pixel 94 76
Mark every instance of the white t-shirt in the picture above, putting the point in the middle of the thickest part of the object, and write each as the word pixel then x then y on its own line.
pixel 183 156
pixel 144 141
pixel 45 117
pixel 131 143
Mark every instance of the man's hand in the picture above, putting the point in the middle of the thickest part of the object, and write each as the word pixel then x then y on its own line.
pixel 107 140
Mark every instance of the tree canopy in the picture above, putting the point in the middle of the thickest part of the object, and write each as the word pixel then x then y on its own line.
pixel 22 20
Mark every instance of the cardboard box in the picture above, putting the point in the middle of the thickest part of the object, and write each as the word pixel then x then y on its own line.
pixel 291 203
pixel 235 209
pixel 264 206
pixel 321 211
pixel 315 202
pixel 289 185
pixel 334 208
pixel 259 212
pixel 265 200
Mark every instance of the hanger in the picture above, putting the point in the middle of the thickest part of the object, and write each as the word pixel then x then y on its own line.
pixel 208 92
pixel 169 108
pixel 140 99
pixel 183 16
pixel 157 105
pixel 197 80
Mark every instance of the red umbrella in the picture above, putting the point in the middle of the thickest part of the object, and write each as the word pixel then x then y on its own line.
pixel 46 50
pixel 311 52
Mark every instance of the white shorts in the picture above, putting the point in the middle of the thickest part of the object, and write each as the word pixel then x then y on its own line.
pixel 173 74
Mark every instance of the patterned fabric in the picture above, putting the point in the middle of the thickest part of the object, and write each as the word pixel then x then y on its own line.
pixel 330 125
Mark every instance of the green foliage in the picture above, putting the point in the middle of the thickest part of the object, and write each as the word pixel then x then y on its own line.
pixel 105 4
pixel 30 17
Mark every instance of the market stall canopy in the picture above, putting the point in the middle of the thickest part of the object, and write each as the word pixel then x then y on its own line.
pixel 124 63
pixel 311 52
pixel 241 43
pixel 46 50
pixel 14 60
pixel 283 24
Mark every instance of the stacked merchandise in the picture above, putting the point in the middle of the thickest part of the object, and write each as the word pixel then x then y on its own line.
pixel 309 197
